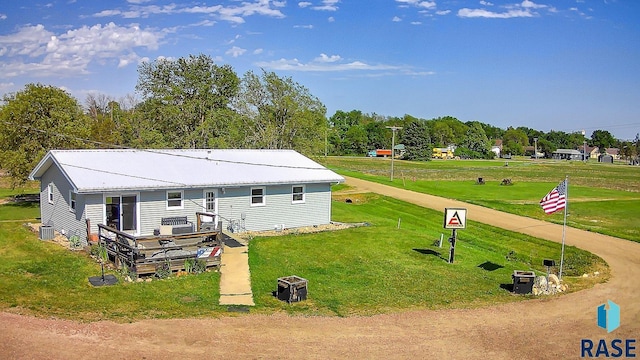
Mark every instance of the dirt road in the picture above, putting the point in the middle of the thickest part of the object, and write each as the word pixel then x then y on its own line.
pixel 537 329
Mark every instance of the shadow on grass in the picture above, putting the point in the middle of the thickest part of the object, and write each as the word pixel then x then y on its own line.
pixel 508 287
pixel 431 252
pixel 489 266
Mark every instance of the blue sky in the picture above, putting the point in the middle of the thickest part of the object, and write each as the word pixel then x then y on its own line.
pixel 548 65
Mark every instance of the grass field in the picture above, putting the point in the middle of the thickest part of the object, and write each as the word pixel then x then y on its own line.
pixel 381 268
pixel 602 197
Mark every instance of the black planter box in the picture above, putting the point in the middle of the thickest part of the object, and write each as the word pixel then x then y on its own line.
pixel 523 281
pixel 292 289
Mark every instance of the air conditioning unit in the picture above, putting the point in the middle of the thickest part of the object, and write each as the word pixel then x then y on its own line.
pixel 47 232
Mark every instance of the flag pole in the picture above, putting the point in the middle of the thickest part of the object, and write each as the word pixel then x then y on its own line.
pixel 564 225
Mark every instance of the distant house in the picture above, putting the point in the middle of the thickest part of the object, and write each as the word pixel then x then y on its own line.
pixel 566 154
pixel 133 190
pixel 592 151
pixel 497 147
pixel 614 152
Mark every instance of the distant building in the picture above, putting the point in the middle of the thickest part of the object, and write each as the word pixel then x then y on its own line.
pixel 566 154
pixel 497 147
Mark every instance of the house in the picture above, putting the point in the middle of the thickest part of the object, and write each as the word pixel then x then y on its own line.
pixel 133 190
pixel 566 154
pixel 497 147
pixel 614 152
pixel 592 151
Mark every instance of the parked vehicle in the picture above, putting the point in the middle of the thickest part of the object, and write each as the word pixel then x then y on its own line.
pixel 379 153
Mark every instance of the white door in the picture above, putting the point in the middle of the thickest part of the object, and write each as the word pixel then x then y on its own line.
pixel 210 205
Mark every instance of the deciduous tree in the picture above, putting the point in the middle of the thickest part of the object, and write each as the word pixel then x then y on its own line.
pixel 35 120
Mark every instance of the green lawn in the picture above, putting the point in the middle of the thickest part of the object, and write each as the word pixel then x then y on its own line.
pixel 602 197
pixel 19 211
pixel 380 268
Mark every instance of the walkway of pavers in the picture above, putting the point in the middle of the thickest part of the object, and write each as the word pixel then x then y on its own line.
pixel 235 278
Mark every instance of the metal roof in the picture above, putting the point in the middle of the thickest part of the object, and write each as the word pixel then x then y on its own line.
pixel 101 170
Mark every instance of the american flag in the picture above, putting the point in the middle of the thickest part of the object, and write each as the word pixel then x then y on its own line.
pixel 556 199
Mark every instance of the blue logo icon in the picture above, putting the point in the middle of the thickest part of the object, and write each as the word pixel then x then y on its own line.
pixel 609 319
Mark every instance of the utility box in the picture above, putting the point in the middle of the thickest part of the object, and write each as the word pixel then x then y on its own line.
pixel 523 281
pixel 292 289
pixel 46 232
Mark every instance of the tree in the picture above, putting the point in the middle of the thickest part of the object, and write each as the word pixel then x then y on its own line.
pixel 514 141
pixel 377 135
pixel 356 140
pixel 35 120
pixel 278 113
pixel 602 139
pixel 476 140
pixel 188 100
pixel 417 141
pixel 339 123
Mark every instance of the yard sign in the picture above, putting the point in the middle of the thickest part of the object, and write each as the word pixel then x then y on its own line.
pixel 455 218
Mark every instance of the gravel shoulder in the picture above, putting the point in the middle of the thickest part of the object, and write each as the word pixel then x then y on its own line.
pixel 545 328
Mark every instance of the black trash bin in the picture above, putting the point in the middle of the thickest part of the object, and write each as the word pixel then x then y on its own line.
pixel 292 289
pixel 523 281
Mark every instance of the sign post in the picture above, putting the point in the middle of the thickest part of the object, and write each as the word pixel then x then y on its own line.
pixel 454 218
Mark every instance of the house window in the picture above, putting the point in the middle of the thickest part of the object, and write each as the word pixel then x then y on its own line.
pixel 210 201
pixel 50 193
pixel 297 194
pixel 174 200
pixel 72 201
pixel 257 196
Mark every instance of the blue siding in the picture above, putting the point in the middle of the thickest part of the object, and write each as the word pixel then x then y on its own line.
pixel 234 207
pixel 59 214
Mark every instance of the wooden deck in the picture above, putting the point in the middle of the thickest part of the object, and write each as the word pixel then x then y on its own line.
pixel 146 254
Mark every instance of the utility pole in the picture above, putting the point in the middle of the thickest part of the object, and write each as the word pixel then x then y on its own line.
pixel 393 145
pixel 535 148
pixel 584 151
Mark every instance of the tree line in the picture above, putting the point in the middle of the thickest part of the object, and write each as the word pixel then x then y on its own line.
pixel 353 133
pixel 191 102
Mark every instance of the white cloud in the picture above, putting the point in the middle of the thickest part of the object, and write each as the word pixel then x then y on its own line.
pixel 258 51
pixel 327 5
pixel 3 17
pixel 526 8
pixel 304 4
pixel 235 51
pixel 36 51
pixel 331 19
pixel 316 66
pixel 234 14
pixel 234 39
pixel 442 12
pixel 396 19
pixel 335 63
pixel 418 3
pixel 303 26
pixel 416 23
pixel 327 59
pixel 532 5
pixel 471 13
